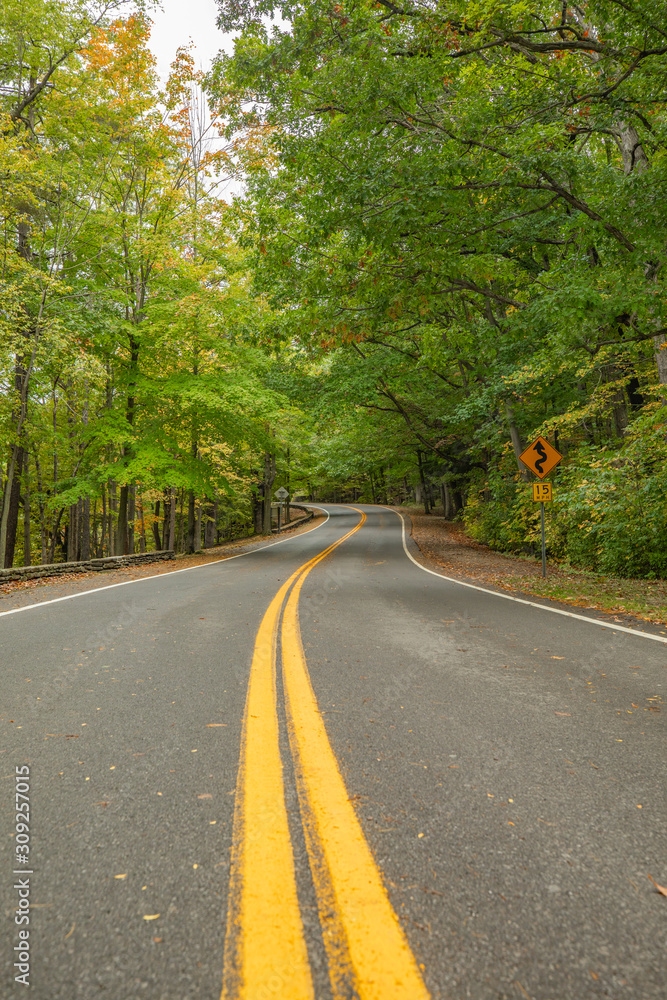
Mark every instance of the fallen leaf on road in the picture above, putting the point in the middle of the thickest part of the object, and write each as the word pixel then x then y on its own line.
pixel 157 940
pixel 593 974
pixel 661 889
pixel 151 916
pixel 563 713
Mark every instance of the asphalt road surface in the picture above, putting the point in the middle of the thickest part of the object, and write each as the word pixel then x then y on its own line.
pixel 317 770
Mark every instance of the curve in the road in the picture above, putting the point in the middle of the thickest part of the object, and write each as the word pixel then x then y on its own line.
pixel 522 600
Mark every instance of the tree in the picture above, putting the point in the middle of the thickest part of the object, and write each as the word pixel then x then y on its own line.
pixel 466 189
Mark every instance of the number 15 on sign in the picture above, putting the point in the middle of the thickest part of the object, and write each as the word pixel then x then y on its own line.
pixel 542 492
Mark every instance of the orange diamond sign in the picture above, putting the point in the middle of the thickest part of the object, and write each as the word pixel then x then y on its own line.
pixel 540 457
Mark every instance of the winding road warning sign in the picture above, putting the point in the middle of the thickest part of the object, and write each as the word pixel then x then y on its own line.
pixel 540 457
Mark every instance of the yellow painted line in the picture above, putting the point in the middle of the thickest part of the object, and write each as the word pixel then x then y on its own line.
pixel 365 943
pixel 265 950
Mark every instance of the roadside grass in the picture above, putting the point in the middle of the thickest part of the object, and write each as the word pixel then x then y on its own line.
pixel 646 599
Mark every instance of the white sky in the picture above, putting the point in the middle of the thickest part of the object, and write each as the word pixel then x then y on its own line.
pixel 180 20
pixel 175 24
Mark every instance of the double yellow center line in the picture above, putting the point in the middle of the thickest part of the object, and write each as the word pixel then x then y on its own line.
pixel 265 948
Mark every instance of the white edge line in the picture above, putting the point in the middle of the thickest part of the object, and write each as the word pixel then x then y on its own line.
pixel 520 600
pixel 155 576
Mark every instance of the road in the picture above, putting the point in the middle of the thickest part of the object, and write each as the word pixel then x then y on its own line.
pixel 436 791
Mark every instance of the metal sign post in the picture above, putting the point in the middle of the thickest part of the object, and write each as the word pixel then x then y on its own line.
pixel 541 457
pixel 281 495
pixel 543 493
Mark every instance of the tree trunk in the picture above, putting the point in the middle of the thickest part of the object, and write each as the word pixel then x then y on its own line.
pixel 142 535
pixel 172 521
pixel 42 512
pixel 635 159
pixel 12 492
pixel 54 535
pixel 84 504
pixel 286 517
pixel 516 441
pixel 94 547
pixel 198 516
pixel 192 522
pixel 612 373
pixel 79 522
pixel 121 523
pixel 85 528
pixel 156 525
pixel 269 478
pixel 661 358
pixel 112 512
pixel 181 523
pixel 382 479
pixel 211 521
pixel 104 518
pixel 422 480
pixel 258 509
pixel 72 532
pixel 27 554
pixel 131 515
pixel 10 507
pixel 443 499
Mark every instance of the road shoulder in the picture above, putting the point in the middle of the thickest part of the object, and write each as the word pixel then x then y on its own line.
pixel 445 548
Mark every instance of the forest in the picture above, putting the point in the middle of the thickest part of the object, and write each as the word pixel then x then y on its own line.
pixel 448 236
